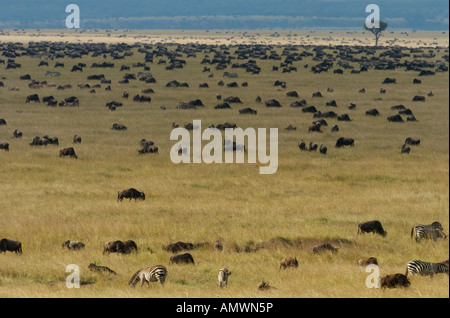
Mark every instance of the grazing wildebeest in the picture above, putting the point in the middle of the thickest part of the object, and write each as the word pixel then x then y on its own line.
pixel 405 149
pixel 38 141
pixel 312 146
pixel 97 268
pixel 316 127
pixel 33 98
pixel 331 103
pixel 185 258
pixel 248 110
pixel 73 245
pixel 17 133
pixel 418 98
pixel 323 149
pixel 290 127
pixel 302 145
pixel 368 261
pixel 345 142
pixel 117 126
pixel 68 152
pixel 325 247
pixel 272 103
pixel 335 128
pixel 373 112
pixel 394 281
pixel 51 140
pixel 388 80
pixel 288 262
pixel 412 141
pixel 309 109
pixel 178 246
pixel 147 148
pixel 76 139
pixel 130 246
pixel 4 146
pixel 10 246
pixel 371 227
pixel 343 117
pixel 130 193
pixel 114 247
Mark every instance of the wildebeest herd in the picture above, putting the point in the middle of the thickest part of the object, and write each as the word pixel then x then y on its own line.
pixel 228 62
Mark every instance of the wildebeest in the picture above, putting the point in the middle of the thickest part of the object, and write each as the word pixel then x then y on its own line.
pixel 130 246
pixel 39 141
pixel 371 227
pixel 76 139
pixel 395 119
pixel 272 103
pixel 178 246
pixel 4 146
pixel 97 268
pixel 17 133
pixel 68 152
pixel 302 145
pixel 412 141
pixel 323 149
pixel 388 80
pixel 130 193
pixel 117 126
pixel 2 121
pixel 288 262
pixel 405 149
pixel 185 258
pixel 343 117
pixel 10 246
pixel 373 112
pixel 114 247
pixel 316 127
pixel 367 261
pixel 73 245
pixel 33 98
pixel 418 98
pixel 312 146
pixel 248 110
pixel 394 281
pixel 325 247
pixel 342 141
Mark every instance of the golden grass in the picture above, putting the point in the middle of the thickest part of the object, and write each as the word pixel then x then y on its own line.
pixel 259 218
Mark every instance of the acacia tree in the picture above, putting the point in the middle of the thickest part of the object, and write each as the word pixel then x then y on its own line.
pixel 377 31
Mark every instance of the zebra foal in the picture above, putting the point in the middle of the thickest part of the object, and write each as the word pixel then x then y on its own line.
pixel 156 273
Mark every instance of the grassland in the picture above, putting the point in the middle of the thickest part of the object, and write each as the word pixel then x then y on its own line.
pixel 260 219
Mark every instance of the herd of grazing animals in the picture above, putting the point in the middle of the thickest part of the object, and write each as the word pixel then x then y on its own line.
pixel 223 59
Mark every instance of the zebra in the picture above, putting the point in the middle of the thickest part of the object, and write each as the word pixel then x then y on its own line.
pixel 156 273
pixel 223 277
pixel 431 231
pixel 425 268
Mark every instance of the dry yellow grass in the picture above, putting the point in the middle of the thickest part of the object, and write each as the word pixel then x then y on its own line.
pixel 47 200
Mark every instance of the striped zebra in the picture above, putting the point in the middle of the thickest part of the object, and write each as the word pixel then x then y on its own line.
pixel 223 277
pixel 430 231
pixel 156 273
pixel 425 268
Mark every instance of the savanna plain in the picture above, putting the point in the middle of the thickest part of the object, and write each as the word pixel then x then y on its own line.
pixel 259 219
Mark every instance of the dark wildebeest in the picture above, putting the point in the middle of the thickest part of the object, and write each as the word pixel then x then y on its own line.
pixel 73 245
pixel 17 133
pixel 302 145
pixel 68 152
pixel 368 261
pixel 178 246
pixel 130 193
pixel 10 246
pixel 316 127
pixel 33 98
pixel 371 227
pixel 185 258
pixel 130 246
pixel 325 247
pixel 412 141
pixel 335 128
pixel 76 139
pixel 248 110
pixel 2 121
pixel 114 247
pixel 288 262
pixel 394 281
pixel 405 149
pixel 51 140
pixel 395 119
pixel 323 149
pixel 312 146
pixel 345 142
pixel 38 141
pixel 388 80
pixel 4 146
pixel 373 112
pixel 96 268
pixel 418 98
pixel 117 126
